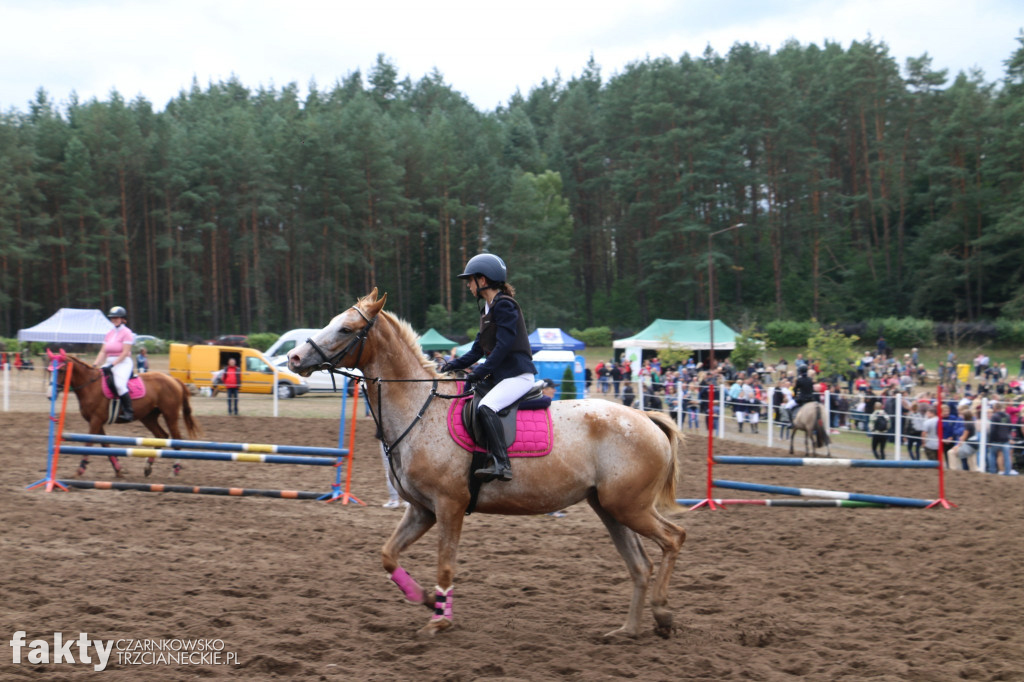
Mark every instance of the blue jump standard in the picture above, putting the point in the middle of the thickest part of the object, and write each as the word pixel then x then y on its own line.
pixel 203 445
pixel 832 494
pixel 824 461
pixel 198 454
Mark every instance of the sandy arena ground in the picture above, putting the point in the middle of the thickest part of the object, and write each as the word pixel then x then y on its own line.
pixel 295 588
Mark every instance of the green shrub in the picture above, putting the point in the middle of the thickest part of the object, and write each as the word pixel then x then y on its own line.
pixel 9 345
pixel 593 336
pixel 1010 332
pixel 568 384
pixel 790 332
pixel 262 341
pixel 750 345
pixel 902 332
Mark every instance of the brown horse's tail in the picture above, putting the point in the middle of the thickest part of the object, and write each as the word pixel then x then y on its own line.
pixel 666 499
pixel 186 412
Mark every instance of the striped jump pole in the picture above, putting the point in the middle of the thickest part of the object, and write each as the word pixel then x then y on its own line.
pixel 204 445
pixel 195 490
pixel 828 462
pixel 829 494
pixel 791 503
pixel 199 454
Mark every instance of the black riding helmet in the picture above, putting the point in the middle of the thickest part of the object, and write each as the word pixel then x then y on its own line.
pixel 488 265
pixel 118 311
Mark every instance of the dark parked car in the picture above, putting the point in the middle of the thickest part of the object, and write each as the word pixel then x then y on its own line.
pixel 230 340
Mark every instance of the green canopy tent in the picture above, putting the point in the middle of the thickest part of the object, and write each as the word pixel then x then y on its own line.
pixel 432 340
pixel 662 334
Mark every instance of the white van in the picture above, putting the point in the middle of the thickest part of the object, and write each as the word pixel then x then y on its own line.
pixel 287 341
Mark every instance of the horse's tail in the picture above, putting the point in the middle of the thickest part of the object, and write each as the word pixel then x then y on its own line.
pixel 666 498
pixel 820 429
pixel 186 411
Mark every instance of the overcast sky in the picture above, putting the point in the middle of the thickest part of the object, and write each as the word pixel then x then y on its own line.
pixel 485 50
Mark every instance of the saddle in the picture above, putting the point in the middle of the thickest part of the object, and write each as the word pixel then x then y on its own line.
pixel 136 387
pixel 534 399
pixel 528 418
pixel 121 414
pixel 526 423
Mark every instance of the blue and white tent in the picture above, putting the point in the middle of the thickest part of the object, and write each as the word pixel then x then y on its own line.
pixel 553 338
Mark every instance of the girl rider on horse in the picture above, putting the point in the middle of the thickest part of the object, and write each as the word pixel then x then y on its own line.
pixel 116 353
pixel 803 391
pixel 503 340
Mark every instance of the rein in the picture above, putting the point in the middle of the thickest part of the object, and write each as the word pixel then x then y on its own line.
pixel 359 339
pixel 70 368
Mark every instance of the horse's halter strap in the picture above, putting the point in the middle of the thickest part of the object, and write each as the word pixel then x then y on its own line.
pixel 69 367
pixel 330 362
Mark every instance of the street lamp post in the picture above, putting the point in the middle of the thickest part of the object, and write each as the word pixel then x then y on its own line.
pixel 708 500
pixel 711 292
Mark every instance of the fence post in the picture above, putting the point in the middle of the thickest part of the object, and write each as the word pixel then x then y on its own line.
pixel 983 438
pixel 771 413
pixel 899 426
pixel 721 409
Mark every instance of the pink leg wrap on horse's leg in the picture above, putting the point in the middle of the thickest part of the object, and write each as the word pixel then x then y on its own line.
pixel 115 462
pixel 412 590
pixel 442 604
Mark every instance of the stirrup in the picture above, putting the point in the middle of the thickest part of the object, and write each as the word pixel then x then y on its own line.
pixel 487 474
pixel 494 472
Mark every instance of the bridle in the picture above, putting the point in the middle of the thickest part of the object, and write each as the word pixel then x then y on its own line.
pixel 67 365
pixel 359 339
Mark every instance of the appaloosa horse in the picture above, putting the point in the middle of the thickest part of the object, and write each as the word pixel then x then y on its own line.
pixel 810 418
pixel 621 460
pixel 165 396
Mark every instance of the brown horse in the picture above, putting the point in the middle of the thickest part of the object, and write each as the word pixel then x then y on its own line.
pixel 165 396
pixel 622 461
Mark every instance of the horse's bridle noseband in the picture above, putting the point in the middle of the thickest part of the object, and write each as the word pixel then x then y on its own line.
pixel 329 363
pixel 360 339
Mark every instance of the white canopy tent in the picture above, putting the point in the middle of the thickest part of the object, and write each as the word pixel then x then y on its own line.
pixel 70 325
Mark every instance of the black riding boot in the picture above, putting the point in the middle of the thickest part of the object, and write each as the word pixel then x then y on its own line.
pixel 500 467
pixel 127 413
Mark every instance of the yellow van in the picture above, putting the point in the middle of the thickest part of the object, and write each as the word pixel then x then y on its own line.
pixel 198 364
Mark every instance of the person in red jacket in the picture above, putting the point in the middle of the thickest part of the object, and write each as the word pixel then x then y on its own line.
pixel 232 378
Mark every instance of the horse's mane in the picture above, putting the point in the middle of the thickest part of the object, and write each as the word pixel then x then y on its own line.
pixel 409 336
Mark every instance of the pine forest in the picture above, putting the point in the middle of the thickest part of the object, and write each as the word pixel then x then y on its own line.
pixel 861 188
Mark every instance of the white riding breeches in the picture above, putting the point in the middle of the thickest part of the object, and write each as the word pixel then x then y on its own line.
pixel 507 391
pixel 122 372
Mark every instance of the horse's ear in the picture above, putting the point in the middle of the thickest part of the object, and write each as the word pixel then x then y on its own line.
pixel 376 306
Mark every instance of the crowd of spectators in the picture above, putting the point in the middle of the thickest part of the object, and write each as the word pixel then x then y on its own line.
pixel 864 400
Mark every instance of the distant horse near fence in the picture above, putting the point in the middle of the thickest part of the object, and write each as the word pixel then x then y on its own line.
pixel 810 418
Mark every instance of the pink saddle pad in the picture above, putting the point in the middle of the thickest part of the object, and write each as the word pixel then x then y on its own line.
pixel 534 432
pixel 136 388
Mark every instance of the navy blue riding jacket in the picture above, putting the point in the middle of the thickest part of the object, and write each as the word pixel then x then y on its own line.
pixel 503 340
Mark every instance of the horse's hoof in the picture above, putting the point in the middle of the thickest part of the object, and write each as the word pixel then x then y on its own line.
pixel 663 623
pixel 119 474
pixel 435 626
pixel 147 471
pixel 624 631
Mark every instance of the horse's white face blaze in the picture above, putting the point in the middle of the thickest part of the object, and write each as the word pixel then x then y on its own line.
pixel 331 339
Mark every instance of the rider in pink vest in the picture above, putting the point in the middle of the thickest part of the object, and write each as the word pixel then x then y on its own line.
pixel 116 353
